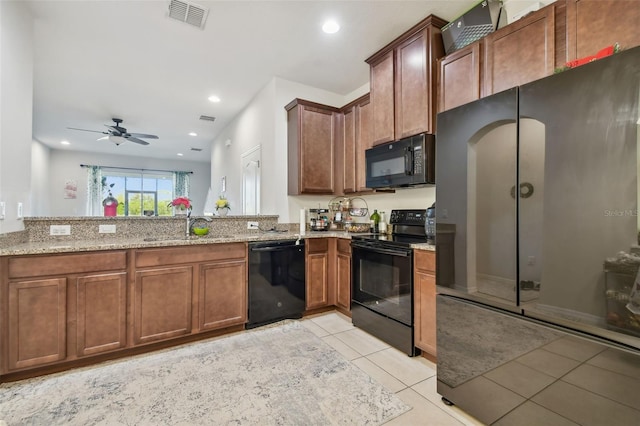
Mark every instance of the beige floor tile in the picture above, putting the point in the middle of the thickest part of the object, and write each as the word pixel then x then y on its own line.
pixel 333 323
pixel 619 361
pixel 314 328
pixel 384 378
pixel 533 414
pixel 345 350
pixel 428 389
pixel 422 413
pixel 361 341
pixel 404 368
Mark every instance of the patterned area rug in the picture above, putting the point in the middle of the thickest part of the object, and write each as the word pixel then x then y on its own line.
pixel 281 375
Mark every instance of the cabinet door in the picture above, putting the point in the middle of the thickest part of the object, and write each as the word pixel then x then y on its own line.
pixel 317 273
pixel 595 24
pixel 412 88
pixel 223 294
pixel 316 151
pixel 349 150
pixel 459 77
pixel 521 52
pixel 162 304
pixel 364 141
pixel 343 299
pixel 37 322
pixel 383 99
pixel 101 313
pixel 425 302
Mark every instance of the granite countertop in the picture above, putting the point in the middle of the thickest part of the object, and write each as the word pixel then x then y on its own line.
pixel 75 245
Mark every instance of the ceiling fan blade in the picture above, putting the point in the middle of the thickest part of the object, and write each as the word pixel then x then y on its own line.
pixel 85 130
pixel 102 138
pixel 136 140
pixel 142 135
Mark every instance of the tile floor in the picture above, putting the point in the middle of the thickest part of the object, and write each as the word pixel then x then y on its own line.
pixel 412 379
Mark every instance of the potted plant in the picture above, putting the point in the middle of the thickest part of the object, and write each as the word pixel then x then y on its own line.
pixel 222 206
pixel 109 203
pixel 181 205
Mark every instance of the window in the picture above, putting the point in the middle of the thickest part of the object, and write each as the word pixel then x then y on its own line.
pixel 139 192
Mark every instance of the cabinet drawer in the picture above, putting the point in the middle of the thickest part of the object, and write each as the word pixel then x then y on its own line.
pixel 425 260
pixel 63 264
pixel 180 255
pixel 344 246
pixel 317 245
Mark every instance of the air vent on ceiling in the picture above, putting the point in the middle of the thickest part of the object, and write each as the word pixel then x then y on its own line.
pixel 196 149
pixel 207 118
pixel 188 12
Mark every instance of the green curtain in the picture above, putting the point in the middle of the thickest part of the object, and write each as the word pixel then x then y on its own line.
pixel 94 191
pixel 181 184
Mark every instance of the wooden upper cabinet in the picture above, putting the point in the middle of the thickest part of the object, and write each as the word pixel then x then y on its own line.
pixel 349 150
pixel 595 24
pixel 459 77
pixel 364 141
pixel 383 98
pixel 311 150
pixel 403 82
pixel 521 52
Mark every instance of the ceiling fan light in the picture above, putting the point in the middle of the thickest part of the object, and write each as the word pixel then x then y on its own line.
pixel 117 139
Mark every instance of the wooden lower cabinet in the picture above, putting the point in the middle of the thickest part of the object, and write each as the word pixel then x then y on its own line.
pixel 343 276
pixel 317 273
pixel 101 313
pixel 425 301
pixel 37 322
pixel 223 294
pixel 162 301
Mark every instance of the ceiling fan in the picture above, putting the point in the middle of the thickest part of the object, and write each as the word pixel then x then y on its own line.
pixel 117 134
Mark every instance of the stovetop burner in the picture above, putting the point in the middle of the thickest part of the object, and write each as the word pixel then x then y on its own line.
pixel 408 228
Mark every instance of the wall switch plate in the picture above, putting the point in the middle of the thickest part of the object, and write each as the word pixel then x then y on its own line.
pixel 3 208
pixel 252 225
pixel 60 230
pixel 20 214
pixel 107 229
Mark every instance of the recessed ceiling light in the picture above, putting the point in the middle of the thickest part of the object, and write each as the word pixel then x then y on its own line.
pixel 330 27
pixel 193 134
pixel 65 142
pixel 180 154
pixel 214 98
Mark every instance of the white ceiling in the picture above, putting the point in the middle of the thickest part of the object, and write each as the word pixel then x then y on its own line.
pixel 94 60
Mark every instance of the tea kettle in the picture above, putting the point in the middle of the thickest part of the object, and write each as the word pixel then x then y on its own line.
pixel 430 223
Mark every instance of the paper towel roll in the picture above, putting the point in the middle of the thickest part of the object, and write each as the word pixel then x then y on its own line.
pixel 303 221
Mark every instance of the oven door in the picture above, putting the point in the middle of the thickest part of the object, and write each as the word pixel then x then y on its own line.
pixel 382 279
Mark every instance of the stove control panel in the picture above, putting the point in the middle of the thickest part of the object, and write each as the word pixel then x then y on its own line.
pixel 408 217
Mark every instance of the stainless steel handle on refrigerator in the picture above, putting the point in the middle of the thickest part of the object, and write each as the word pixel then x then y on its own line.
pixel 408 161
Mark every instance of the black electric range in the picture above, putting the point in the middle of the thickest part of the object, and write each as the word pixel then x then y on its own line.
pixel 382 280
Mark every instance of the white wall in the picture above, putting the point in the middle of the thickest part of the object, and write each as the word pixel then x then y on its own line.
pixel 40 191
pixel 65 166
pixel 16 105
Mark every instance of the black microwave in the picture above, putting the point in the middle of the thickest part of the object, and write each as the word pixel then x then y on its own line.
pixel 406 162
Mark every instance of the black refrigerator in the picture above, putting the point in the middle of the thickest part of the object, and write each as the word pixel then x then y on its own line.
pixel 538 322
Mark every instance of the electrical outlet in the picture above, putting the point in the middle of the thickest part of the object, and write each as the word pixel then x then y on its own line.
pixel 106 229
pixel 60 230
pixel 19 215
pixel 252 225
pixel 3 209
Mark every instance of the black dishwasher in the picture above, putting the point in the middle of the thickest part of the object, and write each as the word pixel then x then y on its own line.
pixel 276 281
